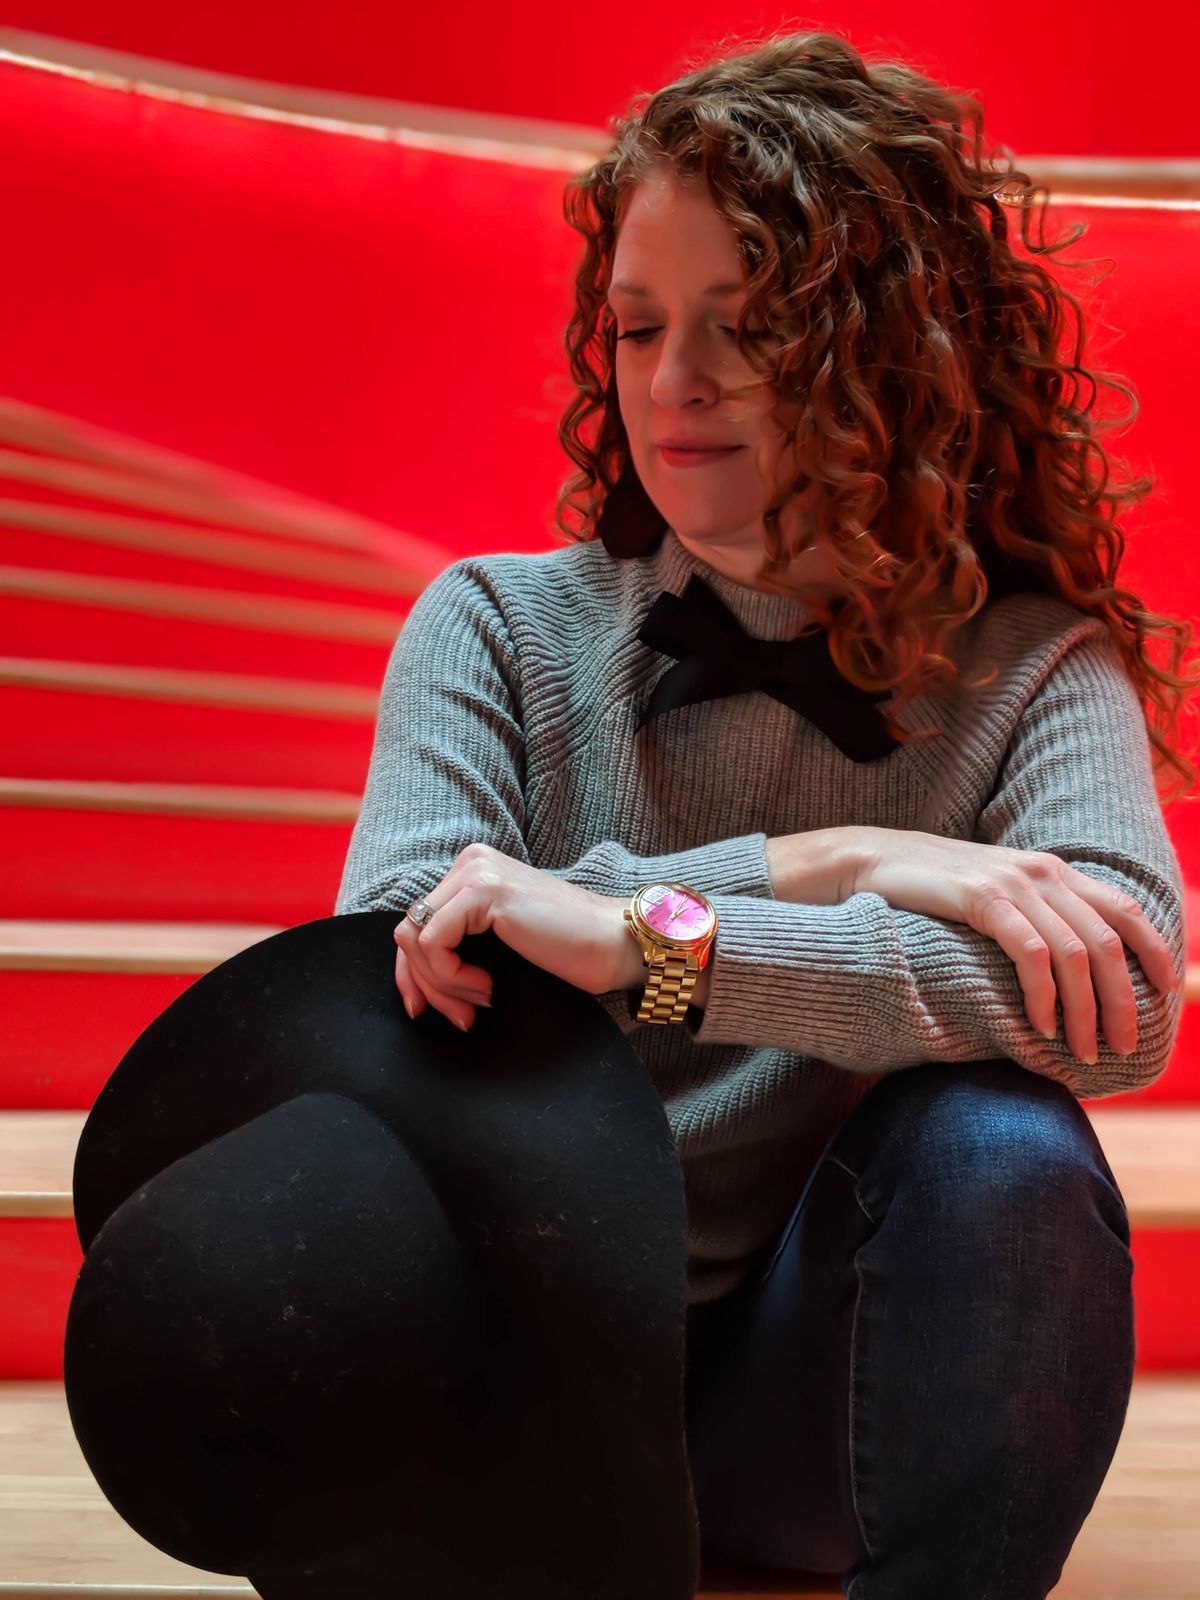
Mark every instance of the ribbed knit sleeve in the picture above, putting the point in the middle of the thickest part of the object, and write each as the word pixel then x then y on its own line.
pixel 873 989
pixel 447 769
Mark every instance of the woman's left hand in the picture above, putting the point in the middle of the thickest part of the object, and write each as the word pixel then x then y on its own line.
pixel 570 932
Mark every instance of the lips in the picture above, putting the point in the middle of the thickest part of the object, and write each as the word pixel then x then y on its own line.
pixel 695 444
pixel 680 459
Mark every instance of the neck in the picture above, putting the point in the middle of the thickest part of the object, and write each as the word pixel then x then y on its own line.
pixel 741 563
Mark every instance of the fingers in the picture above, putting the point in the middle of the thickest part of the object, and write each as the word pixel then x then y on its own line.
pixel 410 991
pixel 1073 952
pixel 1029 952
pixel 435 952
pixel 1132 923
pixel 417 997
pixel 432 953
pixel 1089 964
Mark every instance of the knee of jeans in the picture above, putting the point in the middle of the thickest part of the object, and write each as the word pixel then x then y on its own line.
pixel 976 1134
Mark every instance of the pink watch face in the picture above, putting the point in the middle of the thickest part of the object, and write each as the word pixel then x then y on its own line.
pixel 675 913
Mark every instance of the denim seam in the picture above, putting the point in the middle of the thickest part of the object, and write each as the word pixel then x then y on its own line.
pixel 862 1205
pixel 854 1494
pixel 858 1300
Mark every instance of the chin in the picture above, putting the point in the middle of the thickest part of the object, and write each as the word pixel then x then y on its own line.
pixel 731 531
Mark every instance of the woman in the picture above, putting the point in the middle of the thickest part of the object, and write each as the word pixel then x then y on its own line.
pixel 826 456
pixel 911 1307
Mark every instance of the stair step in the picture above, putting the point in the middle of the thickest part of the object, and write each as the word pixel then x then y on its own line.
pixel 147 864
pixel 64 946
pixel 75 994
pixel 229 690
pixel 173 549
pixel 110 731
pixel 60 1536
pixel 229 608
pixel 214 562
pixel 63 454
pixel 1154 1154
pixel 224 802
pixel 81 616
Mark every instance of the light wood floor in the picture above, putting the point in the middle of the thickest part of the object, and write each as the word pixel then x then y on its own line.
pixel 59 1536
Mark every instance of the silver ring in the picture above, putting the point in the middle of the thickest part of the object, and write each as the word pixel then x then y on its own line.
pixel 420 912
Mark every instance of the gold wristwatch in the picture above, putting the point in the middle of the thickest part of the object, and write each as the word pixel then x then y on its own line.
pixel 675 927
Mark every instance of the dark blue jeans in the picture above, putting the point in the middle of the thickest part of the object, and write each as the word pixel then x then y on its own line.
pixel 924 1389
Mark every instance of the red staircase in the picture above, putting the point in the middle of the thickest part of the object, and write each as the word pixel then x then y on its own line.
pixel 189 669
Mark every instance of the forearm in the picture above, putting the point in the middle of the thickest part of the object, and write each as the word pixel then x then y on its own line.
pixel 815 868
pixel 870 988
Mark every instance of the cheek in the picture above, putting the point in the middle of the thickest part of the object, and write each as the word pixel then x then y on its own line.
pixel 632 401
pixel 777 458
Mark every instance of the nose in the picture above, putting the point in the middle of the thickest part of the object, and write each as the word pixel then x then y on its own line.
pixel 682 375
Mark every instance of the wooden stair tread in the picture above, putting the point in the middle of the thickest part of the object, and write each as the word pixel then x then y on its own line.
pixel 232 690
pixel 70 943
pixel 230 551
pixel 131 947
pixel 59 1535
pixel 57 1528
pixel 317 619
pixel 103 463
pixel 1154 1153
pixel 262 802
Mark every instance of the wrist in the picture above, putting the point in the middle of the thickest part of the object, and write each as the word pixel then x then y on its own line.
pixel 817 868
pixel 631 963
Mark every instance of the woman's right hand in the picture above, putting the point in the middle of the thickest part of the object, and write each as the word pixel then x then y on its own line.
pixel 1065 931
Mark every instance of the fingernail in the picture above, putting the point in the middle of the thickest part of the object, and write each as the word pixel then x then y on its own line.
pixel 408 1007
pixel 1090 1058
pixel 1049 1033
pixel 461 1025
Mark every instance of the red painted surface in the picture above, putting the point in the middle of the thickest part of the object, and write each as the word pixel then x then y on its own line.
pixel 381 327
pixel 148 867
pixel 1100 81
pixel 67 1031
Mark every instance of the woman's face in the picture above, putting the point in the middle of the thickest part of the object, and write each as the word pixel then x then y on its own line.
pixel 676 360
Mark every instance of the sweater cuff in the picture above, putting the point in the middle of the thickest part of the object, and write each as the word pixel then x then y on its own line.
pixel 723 866
pixel 779 975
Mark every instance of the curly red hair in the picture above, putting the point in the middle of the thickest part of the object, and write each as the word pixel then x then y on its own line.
pixel 916 360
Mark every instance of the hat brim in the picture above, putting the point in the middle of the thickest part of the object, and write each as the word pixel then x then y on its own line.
pixel 367 1297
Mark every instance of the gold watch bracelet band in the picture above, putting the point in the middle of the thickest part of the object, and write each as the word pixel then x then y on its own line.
pixel 669 988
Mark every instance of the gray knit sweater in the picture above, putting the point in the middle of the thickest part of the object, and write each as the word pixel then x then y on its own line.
pixel 508 714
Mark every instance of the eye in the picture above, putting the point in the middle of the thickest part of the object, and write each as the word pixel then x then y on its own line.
pixel 640 335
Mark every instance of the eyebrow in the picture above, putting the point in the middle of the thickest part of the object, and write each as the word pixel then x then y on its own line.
pixel 621 286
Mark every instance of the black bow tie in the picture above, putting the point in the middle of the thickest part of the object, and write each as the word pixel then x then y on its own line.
pixel 717 657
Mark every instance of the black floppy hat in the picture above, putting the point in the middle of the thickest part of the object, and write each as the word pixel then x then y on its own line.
pixel 371 1304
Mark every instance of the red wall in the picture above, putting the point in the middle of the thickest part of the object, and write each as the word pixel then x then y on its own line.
pixel 382 326
pixel 1099 79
